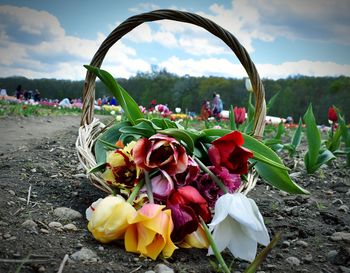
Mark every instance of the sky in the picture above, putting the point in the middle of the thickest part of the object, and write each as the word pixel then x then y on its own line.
pixel 54 39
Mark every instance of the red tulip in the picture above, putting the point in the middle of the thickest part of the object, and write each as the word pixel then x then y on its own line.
pixel 227 151
pixel 160 151
pixel 189 196
pixel 191 173
pixel 332 114
pixel 185 221
pixel 239 114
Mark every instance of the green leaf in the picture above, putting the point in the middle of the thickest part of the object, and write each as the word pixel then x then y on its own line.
pixel 98 168
pixel 280 131
pixel 313 138
pixel 180 135
pixel 334 142
pixel 110 136
pixel 270 142
pixel 297 135
pixel 143 129
pixel 150 122
pixel 232 119
pixel 322 158
pixel 128 104
pixel 272 101
pixel 271 174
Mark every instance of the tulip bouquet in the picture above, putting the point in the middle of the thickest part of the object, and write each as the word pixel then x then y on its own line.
pixel 173 187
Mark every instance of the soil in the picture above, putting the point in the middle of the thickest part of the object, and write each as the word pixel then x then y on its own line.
pixel 40 172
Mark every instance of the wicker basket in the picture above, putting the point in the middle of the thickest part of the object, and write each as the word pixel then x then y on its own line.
pixel 91 127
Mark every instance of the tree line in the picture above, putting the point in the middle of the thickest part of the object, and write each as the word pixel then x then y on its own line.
pixel 188 93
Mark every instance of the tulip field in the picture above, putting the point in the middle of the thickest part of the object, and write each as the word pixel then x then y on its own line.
pixel 155 210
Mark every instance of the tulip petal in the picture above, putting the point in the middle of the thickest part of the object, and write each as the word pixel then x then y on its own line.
pixel 148 211
pixel 241 210
pixel 90 210
pixel 241 245
pixel 221 212
pixel 162 185
pixel 261 236
pixel 130 239
pixel 221 236
pixel 154 249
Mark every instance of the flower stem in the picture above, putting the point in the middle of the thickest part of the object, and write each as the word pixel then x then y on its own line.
pixel 149 187
pixel 135 191
pixel 212 175
pixel 217 253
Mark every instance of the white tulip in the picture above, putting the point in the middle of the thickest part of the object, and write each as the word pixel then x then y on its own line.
pixel 248 85
pixel 238 225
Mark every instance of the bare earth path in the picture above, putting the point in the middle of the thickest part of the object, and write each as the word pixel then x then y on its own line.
pixel 40 173
pixel 19 131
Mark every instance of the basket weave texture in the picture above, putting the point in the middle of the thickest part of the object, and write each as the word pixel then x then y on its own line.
pixel 91 128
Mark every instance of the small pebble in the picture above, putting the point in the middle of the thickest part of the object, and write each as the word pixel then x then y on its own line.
pixel 70 227
pixel 302 243
pixel 67 214
pixel 340 236
pixel 162 268
pixel 293 261
pixel 86 255
pixel 30 225
pixel 12 192
pixel 56 225
pixel 286 244
pixel 44 230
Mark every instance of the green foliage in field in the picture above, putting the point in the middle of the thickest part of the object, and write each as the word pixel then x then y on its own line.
pixel 188 92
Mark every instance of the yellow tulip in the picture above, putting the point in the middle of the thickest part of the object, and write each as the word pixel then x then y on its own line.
pixel 108 220
pixel 149 232
pixel 196 239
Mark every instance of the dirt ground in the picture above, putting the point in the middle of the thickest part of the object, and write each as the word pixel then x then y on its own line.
pixel 40 172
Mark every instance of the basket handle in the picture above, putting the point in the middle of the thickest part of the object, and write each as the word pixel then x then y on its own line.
pixel 186 17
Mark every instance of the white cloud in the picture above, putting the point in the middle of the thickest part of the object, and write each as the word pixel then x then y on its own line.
pixel 19 21
pixel 54 55
pixel 223 67
pixel 312 19
pixel 303 67
pixel 143 7
pixel 198 46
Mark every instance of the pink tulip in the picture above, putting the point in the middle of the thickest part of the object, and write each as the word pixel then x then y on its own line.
pixel 239 114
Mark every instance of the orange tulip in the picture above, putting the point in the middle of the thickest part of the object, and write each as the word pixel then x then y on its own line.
pixel 149 232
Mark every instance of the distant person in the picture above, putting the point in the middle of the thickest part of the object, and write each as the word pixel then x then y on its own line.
pixel 205 110
pixel 113 101
pixel 217 106
pixel 26 94
pixel 36 95
pixel 19 92
pixel 3 93
pixel 66 103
